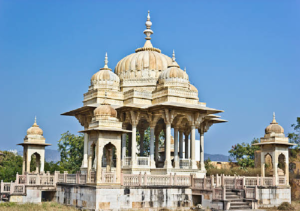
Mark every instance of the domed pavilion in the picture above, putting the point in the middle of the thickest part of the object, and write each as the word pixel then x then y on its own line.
pixel 275 153
pixel 147 91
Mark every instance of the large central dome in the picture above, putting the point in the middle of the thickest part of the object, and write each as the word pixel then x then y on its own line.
pixel 145 64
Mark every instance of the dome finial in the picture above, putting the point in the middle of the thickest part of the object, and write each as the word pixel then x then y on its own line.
pixel 184 69
pixel 148 30
pixel 173 56
pixel 274 120
pixel 35 124
pixel 105 61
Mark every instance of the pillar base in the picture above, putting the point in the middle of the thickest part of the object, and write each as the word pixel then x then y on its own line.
pixel 193 164
pixel 202 166
pixel 176 164
pixel 152 164
pixel 168 165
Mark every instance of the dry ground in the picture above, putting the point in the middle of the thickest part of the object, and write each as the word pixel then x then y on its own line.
pixel 45 206
pixel 295 204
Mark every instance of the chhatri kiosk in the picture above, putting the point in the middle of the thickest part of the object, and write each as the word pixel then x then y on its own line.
pixel 147 90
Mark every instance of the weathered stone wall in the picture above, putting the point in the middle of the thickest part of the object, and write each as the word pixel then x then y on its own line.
pixel 270 197
pixel 31 196
pixel 120 198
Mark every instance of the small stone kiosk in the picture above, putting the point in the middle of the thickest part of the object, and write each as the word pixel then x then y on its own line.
pixel 34 144
pixel 275 153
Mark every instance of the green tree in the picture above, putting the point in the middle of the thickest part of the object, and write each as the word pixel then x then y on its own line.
pixel 10 164
pixel 71 152
pixel 244 153
pixel 295 138
pixel 147 141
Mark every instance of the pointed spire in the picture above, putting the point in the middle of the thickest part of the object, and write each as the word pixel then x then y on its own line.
pixel 35 124
pixel 173 56
pixel 184 69
pixel 274 120
pixel 148 30
pixel 105 61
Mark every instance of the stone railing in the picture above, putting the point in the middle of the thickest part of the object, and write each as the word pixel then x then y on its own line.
pixel 12 188
pixel 219 184
pixel 131 180
pixel 126 161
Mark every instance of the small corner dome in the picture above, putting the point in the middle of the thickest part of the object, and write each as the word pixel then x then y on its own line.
pixel 173 72
pixel 34 129
pixel 193 88
pixel 105 110
pixel 274 127
pixel 105 77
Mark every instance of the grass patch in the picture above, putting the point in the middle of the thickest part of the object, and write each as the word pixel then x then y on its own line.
pixel 44 206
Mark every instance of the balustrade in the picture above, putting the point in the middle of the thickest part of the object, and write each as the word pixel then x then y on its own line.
pixel 184 163
pixel 143 161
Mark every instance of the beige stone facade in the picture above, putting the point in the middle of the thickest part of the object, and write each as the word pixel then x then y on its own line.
pixel 148 89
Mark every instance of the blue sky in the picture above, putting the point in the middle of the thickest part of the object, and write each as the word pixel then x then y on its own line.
pixel 243 56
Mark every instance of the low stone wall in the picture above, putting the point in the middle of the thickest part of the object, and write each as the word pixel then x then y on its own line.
pixel 273 196
pixel 31 196
pixel 120 198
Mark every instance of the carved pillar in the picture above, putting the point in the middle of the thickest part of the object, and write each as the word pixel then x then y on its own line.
pixel 180 143
pixel 133 146
pixel 99 163
pixel 85 150
pixel 168 163
pixel 286 169
pixel 24 161
pixel 129 144
pixel 275 167
pixel 152 162
pixel 193 148
pixel 118 165
pixel 202 150
pixel 176 160
pixel 142 133
pixel 89 169
pixel 28 159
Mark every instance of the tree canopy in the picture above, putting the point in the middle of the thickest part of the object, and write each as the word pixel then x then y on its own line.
pixel 10 164
pixel 71 152
pixel 244 153
pixel 295 138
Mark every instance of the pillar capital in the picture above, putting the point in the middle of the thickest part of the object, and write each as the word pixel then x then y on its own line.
pixel 169 116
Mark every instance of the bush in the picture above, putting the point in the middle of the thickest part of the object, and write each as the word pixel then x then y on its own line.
pixel 285 206
pixel 235 171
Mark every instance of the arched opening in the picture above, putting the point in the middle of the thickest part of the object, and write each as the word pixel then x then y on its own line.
pixel 268 165
pixel 93 150
pixel 35 163
pixel 109 157
pixel 281 165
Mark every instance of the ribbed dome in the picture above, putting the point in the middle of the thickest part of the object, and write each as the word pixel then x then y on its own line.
pixel 146 62
pixel 274 127
pixel 105 78
pixel 173 74
pixel 105 110
pixel 149 61
pixel 34 129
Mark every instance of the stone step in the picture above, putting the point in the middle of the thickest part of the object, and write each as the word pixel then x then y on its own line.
pixel 240 207
pixel 238 203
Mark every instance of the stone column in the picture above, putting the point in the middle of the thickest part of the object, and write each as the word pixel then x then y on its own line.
pixel 287 169
pixel 99 163
pixel 168 163
pixel 152 162
pixel 165 145
pixel 275 166
pixel 118 165
pixel 181 144
pixel 124 136
pixel 28 159
pixel 176 160
pixel 42 163
pixel 133 146
pixel 89 169
pixel 142 133
pixel 156 146
pixel 186 149
pixel 193 148
pixel 202 151
pixel 85 150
